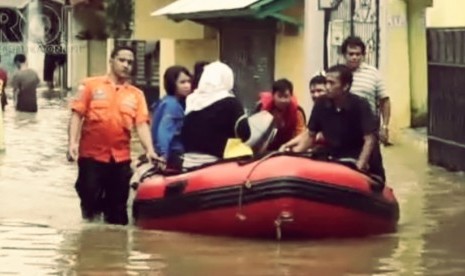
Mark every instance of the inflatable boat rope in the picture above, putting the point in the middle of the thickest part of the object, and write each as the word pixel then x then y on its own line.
pixel 283 217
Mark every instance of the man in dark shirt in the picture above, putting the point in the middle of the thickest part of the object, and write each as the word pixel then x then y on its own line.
pixel 346 121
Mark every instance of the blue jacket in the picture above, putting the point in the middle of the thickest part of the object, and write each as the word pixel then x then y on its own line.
pixel 167 120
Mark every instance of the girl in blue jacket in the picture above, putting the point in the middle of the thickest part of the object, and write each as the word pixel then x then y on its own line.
pixel 168 117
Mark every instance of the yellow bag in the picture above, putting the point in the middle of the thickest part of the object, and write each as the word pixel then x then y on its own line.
pixel 235 148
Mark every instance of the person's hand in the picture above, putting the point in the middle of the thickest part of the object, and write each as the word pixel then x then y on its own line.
pixel 289 146
pixel 73 152
pixel 384 135
pixel 298 144
pixel 362 166
pixel 159 161
pixel 284 148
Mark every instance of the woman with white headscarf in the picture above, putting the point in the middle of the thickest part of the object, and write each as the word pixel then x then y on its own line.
pixel 211 114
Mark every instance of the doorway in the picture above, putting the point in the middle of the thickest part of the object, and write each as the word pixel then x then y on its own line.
pixel 248 46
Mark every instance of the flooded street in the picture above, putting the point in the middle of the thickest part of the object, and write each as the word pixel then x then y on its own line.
pixel 41 232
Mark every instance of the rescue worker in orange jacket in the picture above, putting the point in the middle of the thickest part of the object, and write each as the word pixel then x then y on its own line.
pixel 104 111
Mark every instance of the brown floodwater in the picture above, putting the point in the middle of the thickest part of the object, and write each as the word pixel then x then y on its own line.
pixel 41 232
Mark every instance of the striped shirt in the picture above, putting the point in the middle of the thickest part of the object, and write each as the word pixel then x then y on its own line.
pixel 367 83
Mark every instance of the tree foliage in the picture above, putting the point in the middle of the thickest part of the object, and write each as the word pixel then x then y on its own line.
pixel 119 18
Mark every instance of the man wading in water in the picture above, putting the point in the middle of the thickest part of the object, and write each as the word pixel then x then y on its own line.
pixel 104 112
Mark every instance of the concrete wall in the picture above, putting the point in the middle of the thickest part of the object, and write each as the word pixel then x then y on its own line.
pixel 418 63
pixel 152 28
pixel 313 47
pixel 446 13
pixel 97 58
pixel 87 58
pixel 77 62
pixel 78 53
pixel 403 60
pixel 188 52
pixel 167 58
pixel 396 71
pixel 289 61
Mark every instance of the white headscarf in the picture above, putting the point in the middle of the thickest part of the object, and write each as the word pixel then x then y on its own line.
pixel 216 83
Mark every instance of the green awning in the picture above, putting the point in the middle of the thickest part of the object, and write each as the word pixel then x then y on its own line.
pixel 205 9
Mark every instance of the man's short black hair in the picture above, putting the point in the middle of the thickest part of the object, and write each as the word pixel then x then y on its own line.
pixel 171 77
pixel 19 58
pixel 116 50
pixel 319 79
pixel 353 41
pixel 282 85
pixel 345 74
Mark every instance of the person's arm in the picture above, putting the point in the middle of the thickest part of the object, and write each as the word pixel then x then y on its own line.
pixel 170 124
pixel 385 109
pixel 306 139
pixel 300 143
pixel 143 132
pixel 142 127
pixel 368 124
pixel 364 157
pixel 79 106
pixel 74 130
pixel 300 127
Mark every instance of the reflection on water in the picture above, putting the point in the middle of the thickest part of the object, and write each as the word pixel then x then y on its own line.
pixel 28 247
pixel 41 232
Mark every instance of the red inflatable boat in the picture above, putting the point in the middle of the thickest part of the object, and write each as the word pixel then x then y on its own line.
pixel 282 196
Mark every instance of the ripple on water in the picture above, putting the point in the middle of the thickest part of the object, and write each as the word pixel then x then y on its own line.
pixel 28 248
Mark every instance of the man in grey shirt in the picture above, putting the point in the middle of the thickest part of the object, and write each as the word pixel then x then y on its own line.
pixel 24 83
pixel 368 83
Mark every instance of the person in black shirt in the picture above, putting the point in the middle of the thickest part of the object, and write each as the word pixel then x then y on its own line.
pixel 347 123
pixel 211 115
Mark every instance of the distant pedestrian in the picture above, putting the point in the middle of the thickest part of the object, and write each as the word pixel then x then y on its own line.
pixel 3 84
pixel 24 83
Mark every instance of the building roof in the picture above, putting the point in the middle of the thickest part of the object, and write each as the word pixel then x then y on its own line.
pixel 195 6
pixel 204 9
